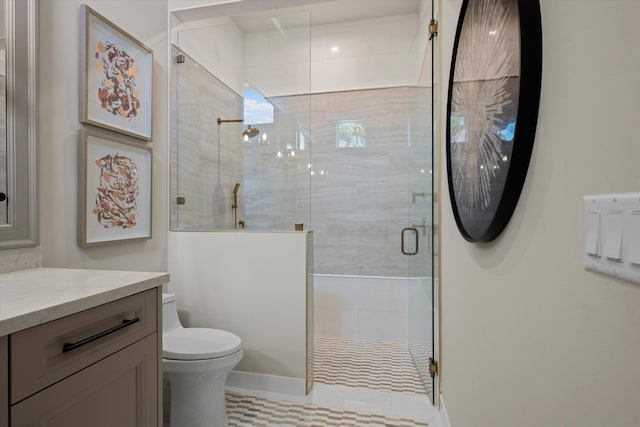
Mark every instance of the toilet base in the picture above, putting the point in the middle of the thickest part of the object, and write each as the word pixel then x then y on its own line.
pixel 197 395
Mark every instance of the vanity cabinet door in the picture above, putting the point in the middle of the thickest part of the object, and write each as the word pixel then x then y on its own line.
pixel 4 383
pixel 120 390
pixel 38 356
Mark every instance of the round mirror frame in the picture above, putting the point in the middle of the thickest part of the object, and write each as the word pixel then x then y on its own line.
pixel 530 76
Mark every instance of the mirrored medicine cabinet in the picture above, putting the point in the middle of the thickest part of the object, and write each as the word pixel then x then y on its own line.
pixel 18 196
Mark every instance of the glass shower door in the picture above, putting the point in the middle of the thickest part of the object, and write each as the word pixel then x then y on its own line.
pixel 420 237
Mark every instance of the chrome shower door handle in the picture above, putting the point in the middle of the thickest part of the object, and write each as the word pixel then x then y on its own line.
pixel 402 240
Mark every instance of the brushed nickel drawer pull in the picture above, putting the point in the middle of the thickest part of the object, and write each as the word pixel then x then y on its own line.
pixel 68 346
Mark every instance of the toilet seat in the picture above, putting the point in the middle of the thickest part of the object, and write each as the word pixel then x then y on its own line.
pixel 199 344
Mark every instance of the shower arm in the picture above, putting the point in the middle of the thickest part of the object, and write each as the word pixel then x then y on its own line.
pixel 221 121
pixel 250 132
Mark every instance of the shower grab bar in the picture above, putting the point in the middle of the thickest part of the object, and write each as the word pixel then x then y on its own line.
pixel 402 241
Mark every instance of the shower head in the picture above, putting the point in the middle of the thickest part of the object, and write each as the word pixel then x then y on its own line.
pixel 236 188
pixel 250 132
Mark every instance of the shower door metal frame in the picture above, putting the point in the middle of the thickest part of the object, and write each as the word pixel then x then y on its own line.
pixel 427 233
pixel 436 122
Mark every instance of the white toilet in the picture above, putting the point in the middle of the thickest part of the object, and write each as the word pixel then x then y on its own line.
pixel 195 362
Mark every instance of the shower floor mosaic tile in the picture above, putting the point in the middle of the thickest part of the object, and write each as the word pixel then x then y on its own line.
pixel 245 411
pixel 378 365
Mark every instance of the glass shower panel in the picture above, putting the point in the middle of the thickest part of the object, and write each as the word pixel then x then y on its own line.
pixel 420 217
pixel 361 146
pixel 206 157
pixel 277 76
pixel 423 213
pixel 241 126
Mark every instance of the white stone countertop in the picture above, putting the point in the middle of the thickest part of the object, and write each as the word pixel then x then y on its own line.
pixel 31 297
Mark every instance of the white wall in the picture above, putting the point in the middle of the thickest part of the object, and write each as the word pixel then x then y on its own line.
pixel 217 45
pixel 278 62
pixel 233 7
pixel 372 53
pixel 59 126
pixel 361 307
pixel 529 337
pixel 252 284
pixel 184 4
pixel 424 59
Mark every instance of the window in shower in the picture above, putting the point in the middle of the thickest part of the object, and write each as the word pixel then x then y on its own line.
pixel 257 109
pixel 350 134
pixel 301 141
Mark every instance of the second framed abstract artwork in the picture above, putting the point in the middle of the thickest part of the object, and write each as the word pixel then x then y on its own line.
pixel 118 71
pixel 115 190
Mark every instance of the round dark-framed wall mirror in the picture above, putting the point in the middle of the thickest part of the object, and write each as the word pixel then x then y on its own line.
pixel 492 111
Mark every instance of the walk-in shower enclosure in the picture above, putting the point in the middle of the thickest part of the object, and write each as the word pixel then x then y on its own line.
pixel 341 94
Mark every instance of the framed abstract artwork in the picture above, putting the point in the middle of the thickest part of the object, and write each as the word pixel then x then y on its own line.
pixel 116 190
pixel 492 111
pixel 118 74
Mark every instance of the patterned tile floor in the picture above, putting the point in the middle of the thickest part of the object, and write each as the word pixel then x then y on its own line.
pixel 245 411
pixel 357 384
pixel 378 365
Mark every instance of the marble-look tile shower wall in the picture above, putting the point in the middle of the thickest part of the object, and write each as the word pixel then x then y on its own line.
pixel 360 196
pixel 276 173
pixel 202 174
pixel 355 199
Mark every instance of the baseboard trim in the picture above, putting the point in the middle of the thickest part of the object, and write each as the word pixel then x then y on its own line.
pixel 273 383
pixel 444 416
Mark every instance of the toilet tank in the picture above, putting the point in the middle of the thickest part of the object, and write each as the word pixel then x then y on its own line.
pixel 170 320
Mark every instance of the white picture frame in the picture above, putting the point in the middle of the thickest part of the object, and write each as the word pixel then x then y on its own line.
pixel 117 78
pixel 116 194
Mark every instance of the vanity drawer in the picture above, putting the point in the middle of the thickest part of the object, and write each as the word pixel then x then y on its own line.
pixel 47 353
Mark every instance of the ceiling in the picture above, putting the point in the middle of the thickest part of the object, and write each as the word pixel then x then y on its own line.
pixel 258 15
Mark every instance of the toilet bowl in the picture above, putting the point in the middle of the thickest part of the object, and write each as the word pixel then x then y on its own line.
pixel 195 363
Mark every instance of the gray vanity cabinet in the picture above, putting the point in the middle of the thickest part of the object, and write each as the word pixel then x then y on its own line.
pixel 96 368
pixel 113 392
pixel 4 383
